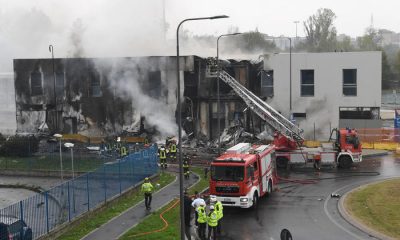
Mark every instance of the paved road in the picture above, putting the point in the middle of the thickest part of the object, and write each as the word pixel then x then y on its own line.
pixel 119 225
pixel 308 211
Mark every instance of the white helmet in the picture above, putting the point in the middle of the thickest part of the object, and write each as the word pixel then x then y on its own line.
pixel 211 207
pixel 213 198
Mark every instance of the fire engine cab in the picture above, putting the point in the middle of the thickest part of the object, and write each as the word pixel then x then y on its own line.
pixel 243 174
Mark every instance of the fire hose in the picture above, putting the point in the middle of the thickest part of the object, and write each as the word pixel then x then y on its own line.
pixel 166 224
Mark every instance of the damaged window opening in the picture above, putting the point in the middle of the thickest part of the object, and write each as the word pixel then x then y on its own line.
pixel 350 82
pixel 307 83
pixel 60 84
pixel 267 83
pixel 154 84
pixel 95 90
pixel 36 83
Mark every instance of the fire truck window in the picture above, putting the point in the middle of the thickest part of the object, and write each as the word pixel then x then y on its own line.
pixel 227 173
pixel 250 171
pixel 255 166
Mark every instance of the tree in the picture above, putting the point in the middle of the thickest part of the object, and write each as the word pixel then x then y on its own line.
pixel 320 31
pixel 386 72
pixel 345 45
pixel 369 42
pixel 254 42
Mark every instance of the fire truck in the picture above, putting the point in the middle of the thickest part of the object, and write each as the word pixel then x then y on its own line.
pixel 243 174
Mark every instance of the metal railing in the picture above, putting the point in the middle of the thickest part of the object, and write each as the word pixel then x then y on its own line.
pixel 45 211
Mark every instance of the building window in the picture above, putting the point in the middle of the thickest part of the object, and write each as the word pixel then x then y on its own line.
pixel 36 83
pixel 60 84
pixel 307 83
pixel 94 78
pixel 267 83
pixel 350 82
pixel 154 84
pixel 299 115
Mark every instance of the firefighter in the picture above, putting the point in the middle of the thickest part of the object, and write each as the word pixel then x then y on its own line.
pixel 212 220
pixel 172 151
pixel 147 189
pixel 163 157
pixel 201 220
pixel 186 170
pixel 123 151
pixel 219 210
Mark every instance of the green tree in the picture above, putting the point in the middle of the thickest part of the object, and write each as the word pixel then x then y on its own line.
pixel 369 42
pixel 320 31
pixel 387 73
pixel 345 45
pixel 254 42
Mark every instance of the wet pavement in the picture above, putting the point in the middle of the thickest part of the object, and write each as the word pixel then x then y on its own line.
pixel 308 210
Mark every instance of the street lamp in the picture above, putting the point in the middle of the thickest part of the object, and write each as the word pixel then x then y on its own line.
pixel 59 137
pixel 290 74
pixel 296 22
pixel 51 49
pixel 182 215
pixel 218 98
pixel 71 146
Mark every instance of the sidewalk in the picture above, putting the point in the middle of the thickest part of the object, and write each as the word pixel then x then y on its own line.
pixel 126 220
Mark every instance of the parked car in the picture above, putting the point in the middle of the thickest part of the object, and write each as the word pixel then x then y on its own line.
pixel 12 228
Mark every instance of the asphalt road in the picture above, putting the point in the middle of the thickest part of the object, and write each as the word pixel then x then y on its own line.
pixel 307 210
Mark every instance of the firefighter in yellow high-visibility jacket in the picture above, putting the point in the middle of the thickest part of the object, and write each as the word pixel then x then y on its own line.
pixel 162 152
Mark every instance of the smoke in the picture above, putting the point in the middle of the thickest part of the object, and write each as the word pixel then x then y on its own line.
pixel 127 77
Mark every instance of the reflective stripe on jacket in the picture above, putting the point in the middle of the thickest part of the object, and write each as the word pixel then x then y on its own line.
pixel 163 155
pixel 219 210
pixel 173 148
pixel 202 217
pixel 212 219
pixel 147 187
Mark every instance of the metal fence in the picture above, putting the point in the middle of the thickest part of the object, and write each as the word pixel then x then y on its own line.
pixel 61 204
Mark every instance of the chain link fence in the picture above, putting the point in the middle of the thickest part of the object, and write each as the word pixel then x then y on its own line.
pixel 45 211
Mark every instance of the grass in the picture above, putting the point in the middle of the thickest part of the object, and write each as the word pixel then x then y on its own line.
pixel 153 222
pixel 96 219
pixel 50 162
pixel 378 206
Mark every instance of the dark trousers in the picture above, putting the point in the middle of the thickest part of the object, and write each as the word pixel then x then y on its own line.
pixel 213 231
pixel 196 215
pixel 202 230
pixel 163 163
pixel 147 200
pixel 187 232
pixel 219 226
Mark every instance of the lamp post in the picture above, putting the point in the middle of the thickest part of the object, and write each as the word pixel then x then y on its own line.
pixel 51 49
pixel 218 97
pixel 71 147
pixel 296 22
pixel 182 216
pixel 290 74
pixel 59 137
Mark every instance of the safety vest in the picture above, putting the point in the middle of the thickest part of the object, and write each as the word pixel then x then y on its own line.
pixel 173 148
pixel 146 141
pixel 202 217
pixel 219 209
pixel 212 219
pixel 163 155
pixel 147 187
pixel 123 151
pixel 185 165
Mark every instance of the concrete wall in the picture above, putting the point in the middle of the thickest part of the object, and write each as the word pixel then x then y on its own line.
pixel 8 123
pixel 323 108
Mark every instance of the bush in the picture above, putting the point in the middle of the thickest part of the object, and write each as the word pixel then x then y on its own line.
pixel 21 146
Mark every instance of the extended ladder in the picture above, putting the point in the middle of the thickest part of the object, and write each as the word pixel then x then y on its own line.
pixel 263 110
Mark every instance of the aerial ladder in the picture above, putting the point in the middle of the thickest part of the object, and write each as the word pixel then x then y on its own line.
pixel 291 133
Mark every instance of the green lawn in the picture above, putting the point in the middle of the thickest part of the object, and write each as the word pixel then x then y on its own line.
pixel 155 223
pixel 378 206
pixel 79 229
pixel 51 162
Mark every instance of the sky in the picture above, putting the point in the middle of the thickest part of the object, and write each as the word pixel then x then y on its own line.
pixel 114 28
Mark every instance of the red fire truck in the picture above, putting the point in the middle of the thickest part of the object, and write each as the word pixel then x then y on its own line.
pixel 343 152
pixel 243 174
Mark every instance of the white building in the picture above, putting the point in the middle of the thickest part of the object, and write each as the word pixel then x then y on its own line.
pixel 328 90
pixel 8 122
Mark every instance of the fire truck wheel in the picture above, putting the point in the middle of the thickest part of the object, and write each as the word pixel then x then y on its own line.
pixel 345 162
pixel 282 162
pixel 255 200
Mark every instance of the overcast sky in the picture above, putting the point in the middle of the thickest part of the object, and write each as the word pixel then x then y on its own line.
pixel 277 17
pixel 113 28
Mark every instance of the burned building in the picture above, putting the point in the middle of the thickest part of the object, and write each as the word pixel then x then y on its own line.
pixel 98 97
